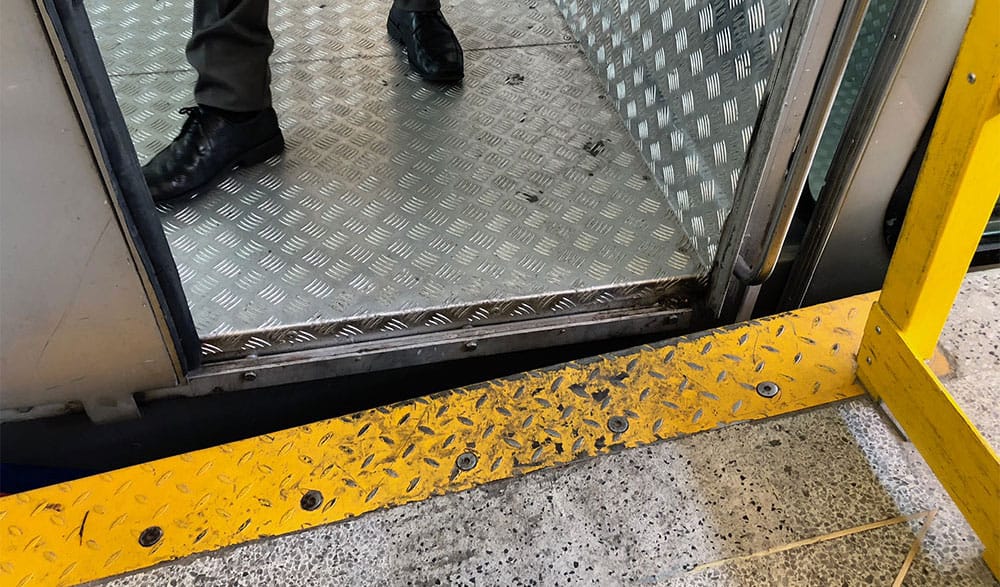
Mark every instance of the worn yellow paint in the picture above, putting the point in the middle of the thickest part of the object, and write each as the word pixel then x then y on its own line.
pixel 205 500
pixel 955 193
pixel 957 453
pixel 992 558
pixel 940 364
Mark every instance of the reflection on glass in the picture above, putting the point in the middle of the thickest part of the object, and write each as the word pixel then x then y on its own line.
pixel 860 63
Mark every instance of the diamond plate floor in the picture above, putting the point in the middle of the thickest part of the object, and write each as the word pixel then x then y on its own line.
pixel 398 201
pixel 688 78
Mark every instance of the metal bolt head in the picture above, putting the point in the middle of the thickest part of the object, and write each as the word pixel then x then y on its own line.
pixel 311 500
pixel 868 360
pixel 150 536
pixel 767 389
pixel 618 424
pixel 972 78
pixel 249 376
pixel 471 345
pixel 878 330
pixel 467 461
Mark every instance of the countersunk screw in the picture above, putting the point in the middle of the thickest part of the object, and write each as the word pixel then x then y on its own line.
pixel 249 376
pixel 618 424
pixel 150 536
pixel 311 500
pixel 466 461
pixel 767 389
pixel 972 78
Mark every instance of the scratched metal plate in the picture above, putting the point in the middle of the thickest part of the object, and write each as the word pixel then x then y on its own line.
pixel 688 77
pixel 402 207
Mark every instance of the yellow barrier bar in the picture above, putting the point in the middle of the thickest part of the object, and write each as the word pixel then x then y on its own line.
pixel 328 471
pixel 955 192
pixel 957 453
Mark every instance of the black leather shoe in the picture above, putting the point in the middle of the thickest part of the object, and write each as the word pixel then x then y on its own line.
pixel 209 146
pixel 431 46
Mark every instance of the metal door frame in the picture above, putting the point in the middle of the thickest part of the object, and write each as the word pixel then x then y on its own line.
pixel 813 30
pixel 899 96
pixel 72 40
pixel 820 39
pixel 86 272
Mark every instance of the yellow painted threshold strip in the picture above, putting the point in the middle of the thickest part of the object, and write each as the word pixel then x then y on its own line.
pixel 328 471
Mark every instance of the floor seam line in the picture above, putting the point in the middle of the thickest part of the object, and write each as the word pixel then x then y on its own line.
pixel 348 58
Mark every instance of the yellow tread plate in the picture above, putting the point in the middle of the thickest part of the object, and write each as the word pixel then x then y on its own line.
pixel 264 486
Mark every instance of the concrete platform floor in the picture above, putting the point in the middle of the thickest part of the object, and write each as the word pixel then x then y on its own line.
pixel 818 498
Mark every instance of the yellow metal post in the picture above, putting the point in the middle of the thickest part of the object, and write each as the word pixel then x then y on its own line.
pixel 958 185
pixel 955 192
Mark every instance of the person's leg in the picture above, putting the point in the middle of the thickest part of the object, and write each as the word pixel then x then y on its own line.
pixel 417 4
pixel 229 48
pixel 233 124
pixel 432 48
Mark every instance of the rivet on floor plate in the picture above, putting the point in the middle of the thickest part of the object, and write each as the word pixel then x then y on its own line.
pixel 150 536
pixel 311 500
pixel 618 424
pixel 767 389
pixel 466 461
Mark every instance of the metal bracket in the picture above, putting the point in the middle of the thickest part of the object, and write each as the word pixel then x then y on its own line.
pixel 107 409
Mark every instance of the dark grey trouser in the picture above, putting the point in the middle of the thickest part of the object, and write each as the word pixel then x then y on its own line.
pixel 229 48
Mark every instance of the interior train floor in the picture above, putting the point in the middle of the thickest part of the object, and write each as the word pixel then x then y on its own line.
pixel 397 196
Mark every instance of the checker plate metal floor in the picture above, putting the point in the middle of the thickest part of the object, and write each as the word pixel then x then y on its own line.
pixel 399 204
pixel 688 78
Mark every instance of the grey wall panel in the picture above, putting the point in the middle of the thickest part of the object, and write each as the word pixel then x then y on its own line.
pixel 855 258
pixel 75 319
pixel 688 78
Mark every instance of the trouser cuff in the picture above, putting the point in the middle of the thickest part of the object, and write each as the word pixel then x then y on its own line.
pixel 417 5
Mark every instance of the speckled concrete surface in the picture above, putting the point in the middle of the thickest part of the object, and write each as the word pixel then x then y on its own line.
pixel 866 558
pixel 650 516
pixel 972 338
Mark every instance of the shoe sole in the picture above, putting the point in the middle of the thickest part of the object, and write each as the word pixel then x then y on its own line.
pixel 397 35
pixel 259 154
